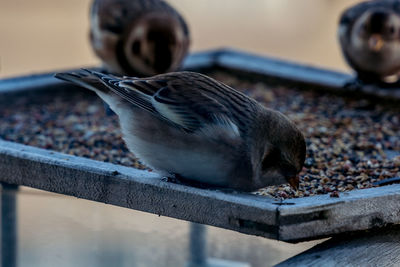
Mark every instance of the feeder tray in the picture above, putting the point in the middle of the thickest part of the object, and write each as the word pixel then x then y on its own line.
pixel 289 220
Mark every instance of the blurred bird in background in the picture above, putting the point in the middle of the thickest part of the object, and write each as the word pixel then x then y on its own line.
pixel 192 126
pixel 369 35
pixel 138 37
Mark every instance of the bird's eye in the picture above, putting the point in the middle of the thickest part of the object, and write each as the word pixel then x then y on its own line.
pixel 153 36
pixel 271 158
pixel 136 47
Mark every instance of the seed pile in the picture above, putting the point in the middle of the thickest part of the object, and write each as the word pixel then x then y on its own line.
pixel 74 124
pixel 350 143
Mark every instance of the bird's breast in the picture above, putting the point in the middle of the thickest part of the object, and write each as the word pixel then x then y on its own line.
pixel 195 163
pixel 166 148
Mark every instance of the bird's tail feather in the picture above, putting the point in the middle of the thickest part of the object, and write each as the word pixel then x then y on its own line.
pixel 91 80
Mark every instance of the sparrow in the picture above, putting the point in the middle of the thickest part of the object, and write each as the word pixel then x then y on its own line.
pixel 138 37
pixel 192 126
pixel 369 36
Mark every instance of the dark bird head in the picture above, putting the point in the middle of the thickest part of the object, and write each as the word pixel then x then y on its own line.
pixel 156 43
pixel 378 29
pixel 282 150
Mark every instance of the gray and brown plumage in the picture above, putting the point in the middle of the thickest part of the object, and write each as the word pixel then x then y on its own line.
pixel 138 37
pixel 191 125
pixel 369 35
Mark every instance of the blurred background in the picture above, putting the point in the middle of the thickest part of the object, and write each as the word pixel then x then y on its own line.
pixel 44 35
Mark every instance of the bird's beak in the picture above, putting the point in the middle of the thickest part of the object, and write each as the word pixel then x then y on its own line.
pixel 375 42
pixel 294 182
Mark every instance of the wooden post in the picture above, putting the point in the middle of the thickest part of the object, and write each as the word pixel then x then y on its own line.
pixel 198 250
pixel 379 247
pixel 197 245
pixel 8 225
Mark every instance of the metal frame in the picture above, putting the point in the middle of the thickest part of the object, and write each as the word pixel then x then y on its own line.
pixel 291 220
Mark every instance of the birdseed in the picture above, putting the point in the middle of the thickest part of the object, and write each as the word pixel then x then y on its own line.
pixel 351 144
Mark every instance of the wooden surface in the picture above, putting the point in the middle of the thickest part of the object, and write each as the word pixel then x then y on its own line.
pixel 377 248
pixel 135 189
pixel 290 220
pixel 323 215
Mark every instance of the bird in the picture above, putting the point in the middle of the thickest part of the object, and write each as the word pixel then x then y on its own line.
pixel 192 126
pixel 138 37
pixel 369 36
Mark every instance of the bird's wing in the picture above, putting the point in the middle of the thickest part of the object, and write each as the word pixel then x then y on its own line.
pixel 182 102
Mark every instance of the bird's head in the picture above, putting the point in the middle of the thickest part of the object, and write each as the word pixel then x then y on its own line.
pixel 377 30
pixel 156 43
pixel 278 155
